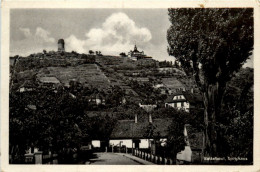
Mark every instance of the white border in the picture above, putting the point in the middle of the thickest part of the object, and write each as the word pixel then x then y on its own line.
pixel 7 5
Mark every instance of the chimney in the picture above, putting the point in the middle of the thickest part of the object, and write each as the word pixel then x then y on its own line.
pixel 135 118
pixel 150 118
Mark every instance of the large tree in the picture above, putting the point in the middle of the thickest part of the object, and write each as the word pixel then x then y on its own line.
pixel 211 45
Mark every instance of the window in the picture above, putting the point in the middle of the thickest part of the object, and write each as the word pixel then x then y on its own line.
pixel 182 104
pixel 175 104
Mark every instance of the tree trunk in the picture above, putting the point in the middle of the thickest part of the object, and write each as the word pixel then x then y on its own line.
pixel 212 103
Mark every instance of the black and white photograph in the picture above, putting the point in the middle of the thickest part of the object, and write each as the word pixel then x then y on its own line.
pixel 131 86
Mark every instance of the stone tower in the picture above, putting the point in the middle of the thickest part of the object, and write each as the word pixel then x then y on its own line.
pixel 61 45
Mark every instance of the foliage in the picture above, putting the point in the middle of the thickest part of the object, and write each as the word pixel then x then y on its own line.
pixel 211 44
pixel 148 94
pixel 236 118
pixel 91 52
pixel 50 126
pixel 165 64
pixel 122 54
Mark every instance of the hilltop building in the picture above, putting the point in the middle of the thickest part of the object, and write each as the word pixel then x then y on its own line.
pixel 61 45
pixel 136 55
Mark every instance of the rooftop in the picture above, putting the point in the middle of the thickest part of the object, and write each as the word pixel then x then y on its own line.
pixel 130 129
pixel 52 80
pixel 61 41
pixel 189 97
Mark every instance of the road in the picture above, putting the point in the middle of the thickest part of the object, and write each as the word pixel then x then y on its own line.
pixel 110 159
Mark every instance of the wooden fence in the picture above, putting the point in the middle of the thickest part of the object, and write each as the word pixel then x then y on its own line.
pixel 153 158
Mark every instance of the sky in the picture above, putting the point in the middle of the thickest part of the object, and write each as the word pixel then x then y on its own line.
pixel 110 31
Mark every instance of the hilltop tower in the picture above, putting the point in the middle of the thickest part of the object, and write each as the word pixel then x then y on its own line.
pixel 61 45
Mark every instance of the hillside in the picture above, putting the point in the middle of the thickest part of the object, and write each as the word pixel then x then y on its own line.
pixel 92 71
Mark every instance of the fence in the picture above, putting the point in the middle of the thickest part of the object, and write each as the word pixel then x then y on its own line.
pixel 50 159
pixel 153 158
pixel 38 158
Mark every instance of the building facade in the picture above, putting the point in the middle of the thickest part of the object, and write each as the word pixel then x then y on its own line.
pixel 184 100
pixel 136 53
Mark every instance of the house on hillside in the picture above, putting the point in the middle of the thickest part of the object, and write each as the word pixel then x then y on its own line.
pixel 28 85
pixel 140 134
pixel 184 100
pixel 193 151
pixel 148 107
pixel 48 81
pixel 97 99
pixel 141 79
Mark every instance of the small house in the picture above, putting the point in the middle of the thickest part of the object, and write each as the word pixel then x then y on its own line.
pixel 28 85
pixel 97 99
pixel 48 81
pixel 148 107
pixel 184 100
pixel 139 133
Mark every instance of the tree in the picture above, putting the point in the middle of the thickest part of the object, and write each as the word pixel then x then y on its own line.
pixel 176 64
pixel 122 54
pixel 237 117
pixel 211 45
pixel 91 52
pixel 50 126
pixel 98 53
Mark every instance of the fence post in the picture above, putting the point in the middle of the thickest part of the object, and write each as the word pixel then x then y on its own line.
pixel 161 160
pixel 148 157
pixel 38 157
pixel 171 162
pixel 28 158
pixel 55 159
